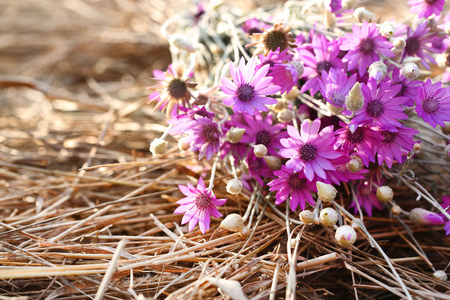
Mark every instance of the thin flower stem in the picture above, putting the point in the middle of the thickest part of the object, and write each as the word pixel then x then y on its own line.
pixel 236 40
pixel 213 174
pixel 249 207
pixel 233 168
pixel 166 132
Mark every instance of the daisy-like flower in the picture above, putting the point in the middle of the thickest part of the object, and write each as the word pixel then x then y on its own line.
pixel 249 89
pixel 367 198
pixel 274 59
pixel 258 168
pixel 172 89
pixel 322 57
pixel 409 87
pixel 259 130
pixel 276 37
pixel 310 150
pixel 180 121
pixel 420 42
pixel 381 107
pixel 433 103
pixel 335 86
pixel 292 185
pixel 426 8
pixel 204 135
pixel 198 206
pixel 364 46
pixel 394 141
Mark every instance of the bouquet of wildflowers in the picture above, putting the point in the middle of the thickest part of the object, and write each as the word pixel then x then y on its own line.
pixel 322 108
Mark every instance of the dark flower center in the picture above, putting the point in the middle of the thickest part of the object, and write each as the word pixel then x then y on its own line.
pixel 412 45
pixel 268 62
pixel 202 99
pixel 389 137
pixel 375 108
pixel 430 105
pixel 367 46
pixel 356 137
pixel 245 92
pixel 202 201
pixel 295 182
pixel 308 152
pixel 275 39
pixel 254 30
pixel 403 89
pixel 323 66
pixel 177 89
pixel 263 137
pixel 210 133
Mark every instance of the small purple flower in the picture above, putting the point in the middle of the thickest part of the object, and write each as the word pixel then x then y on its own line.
pixel 419 42
pixel 180 121
pixel 395 141
pixel 310 150
pixel 333 5
pixel 198 206
pixel 426 8
pixel 323 57
pixel 249 89
pixel 381 107
pixel 257 167
pixel 433 103
pixel 292 185
pixel 335 86
pixel 286 75
pixel 364 46
pixel 204 135
pixel 409 87
pixel 254 25
pixel 367 198
pixel 274 59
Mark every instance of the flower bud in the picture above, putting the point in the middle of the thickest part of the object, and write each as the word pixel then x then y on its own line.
pixel 244 232
pixel 235 134
pixel 279 106
pixel 273 162
pixel 410 70
pixel 362 14
pixel 348 4
pixel 307 217
pixel 385 194
pixel 183 145
pixel 285 116
pixel 420 216
pixel 158 147
pixel 345 235
pixel 292 95
pixel 440 274
pixel 325 191
pixel 260 150
pixel 355 99
pixel 399 43
pixel 298 65
pixel 417 147
pixel 179 41
pixel 328 216
pixel 396 210
pixel 234 186
pixel 355 164
pixel 233 222
pixel 387 29
pixel 378 70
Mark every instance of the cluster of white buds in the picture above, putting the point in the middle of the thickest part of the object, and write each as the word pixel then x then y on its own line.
pixel 158 147
pixel 325 191
pixel 355 99
pixel 234 186
pixel 260 150
pixel 362 14
pixel 235 134
pixel 345 235
pixel 378 70
pixel 387 29
pixel 307 217
pixel 385 194
pixel 328 216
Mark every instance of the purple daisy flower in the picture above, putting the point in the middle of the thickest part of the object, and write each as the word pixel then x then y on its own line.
pixel 364 46
pixel 322 57
pixel 179 121
pixel 335 85
pixel 409 87
pixel 274 59
pixel 198 206
pixel 204 135
pixel 362 139
pixel 284 74
pixel 367 198
pixel 310 151
pixel 342 174
pixel 433 103
pixel 395 140
pixel 259 130
pixel 426 8
pixel 257 167
pixel 381 107
pixel 249 89
pixel 333 5
pixel 419 42
pixel 292 185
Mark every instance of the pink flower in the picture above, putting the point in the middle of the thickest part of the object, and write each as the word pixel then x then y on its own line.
pixel 198 206
pixel 426 8
pixel 433 103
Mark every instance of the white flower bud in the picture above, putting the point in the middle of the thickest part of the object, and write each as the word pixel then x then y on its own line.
pixel 440 274
pixel 179 40
pixel 355 164
pixel 292 95
pixel 233 222
pixel 399 43
pixel 234 186
pixel 325 191
pixel 298 65
pixel 307 217
pixel 410 70
pixel 279 106
pixel 328 216
pixel 355 99
pixel 158 147
pixel 385 194
pixel 420 216
pixel 345 235
pixel 329 19
pixel 260 150
pixel 274 163
pixel 183 145
pixel 387 29
pixel 348 4
pixel 378 70
pixel 235 134
pixel 396 210
pixel 245 232
pixel 362 14
pixel 285 116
